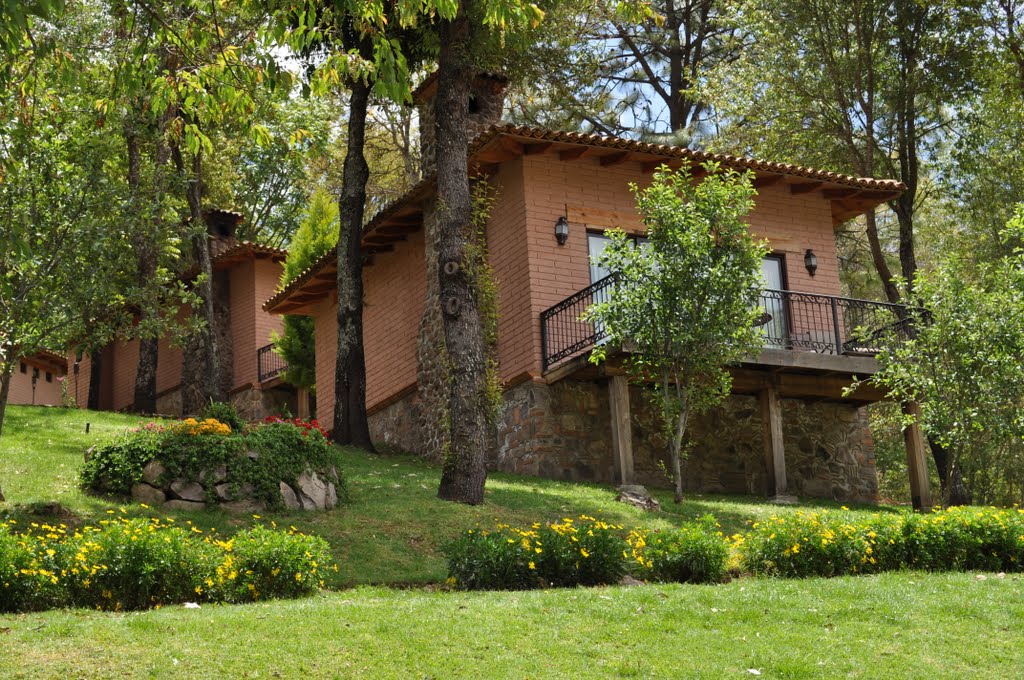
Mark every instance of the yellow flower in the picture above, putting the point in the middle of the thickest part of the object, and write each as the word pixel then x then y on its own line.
pixel 532 565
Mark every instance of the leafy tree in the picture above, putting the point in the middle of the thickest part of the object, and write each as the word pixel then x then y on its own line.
pixel 317 235
pixel 963 365
pixel 686 302
pixel 617 75
pixel 59 242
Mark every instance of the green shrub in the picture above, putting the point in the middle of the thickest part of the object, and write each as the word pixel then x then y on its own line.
pixel 116 466
pixel 829 544
pixel 225 413
pixel 493 560
pixel 27 579
pixel 563 554
pixel 963 538
pixel 695 553
pixel 262 456
pixel 127 564
pixel 587 552
pixel 271 564
pixel 137 564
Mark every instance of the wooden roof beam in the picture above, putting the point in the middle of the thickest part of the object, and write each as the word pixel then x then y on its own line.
pixel 614 158
pixel 804 187
pixel 533 149
pixel 767 181
pixel 574 153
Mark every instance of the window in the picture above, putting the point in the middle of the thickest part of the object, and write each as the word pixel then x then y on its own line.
pixel 24 368
pixel 773 322
pixel 49 377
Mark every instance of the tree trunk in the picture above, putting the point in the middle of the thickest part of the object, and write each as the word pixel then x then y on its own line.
pixel 954 492
pixel 5 391
pixel 892 293
pixel 95 379
pixel 465 463
pixel 350 421
pixel 205 383
pixel 145 270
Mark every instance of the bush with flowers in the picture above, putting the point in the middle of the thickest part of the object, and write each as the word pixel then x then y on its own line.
pixel 568 553
pixel 256 458
pixel 825 543
pixel 125 564
pixel 696 552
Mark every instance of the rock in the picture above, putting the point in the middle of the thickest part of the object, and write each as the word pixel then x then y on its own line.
pixel 638 496
pixel 253 455
pixel 628 580
pixel 290 500
pixel 214 476
pixel 88 454
pixel 188 491
pixel 152 473
pixel 312 491
pixel 184 505
pixel 332 495
pixel 144 493
pixel 223 491
pixel 191 605
pixel 244 506
pixel 332 472
pixel 246 490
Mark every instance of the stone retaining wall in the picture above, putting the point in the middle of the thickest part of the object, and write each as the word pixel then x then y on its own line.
pixel 563 431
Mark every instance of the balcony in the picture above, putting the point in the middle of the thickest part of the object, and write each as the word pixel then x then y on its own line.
pixel 789 321
pixel 268 364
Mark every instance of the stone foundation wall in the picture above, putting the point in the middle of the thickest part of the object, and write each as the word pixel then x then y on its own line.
pixel 563 431
pixel 399 427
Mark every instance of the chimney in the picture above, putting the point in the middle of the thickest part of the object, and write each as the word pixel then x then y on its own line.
pixel 486 102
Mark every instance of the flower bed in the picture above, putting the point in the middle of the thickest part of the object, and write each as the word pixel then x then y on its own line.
pixel 122 564
pixel 193 463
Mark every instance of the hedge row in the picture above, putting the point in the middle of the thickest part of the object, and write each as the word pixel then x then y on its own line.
pixel 136 564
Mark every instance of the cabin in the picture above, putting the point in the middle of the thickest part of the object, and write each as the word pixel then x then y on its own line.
pixel 37 380
pixel 787 430
pixel 245 275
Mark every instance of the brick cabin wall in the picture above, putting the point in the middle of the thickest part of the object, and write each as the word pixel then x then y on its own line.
pixel 47 393
pixel 394 291
pixel 563 431
pixel 243 322
pixel 267 277
pixel 790 223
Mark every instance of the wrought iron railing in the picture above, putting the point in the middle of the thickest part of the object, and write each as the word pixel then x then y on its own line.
pixel 268 364
pixel 790 320
pixel 563 332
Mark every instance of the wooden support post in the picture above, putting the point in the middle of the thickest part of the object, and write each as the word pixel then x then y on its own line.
pixel 917 466
pixel 622 429
pixel 774 445
pixel 302 403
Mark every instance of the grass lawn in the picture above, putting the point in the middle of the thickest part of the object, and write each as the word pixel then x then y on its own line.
pixel 894 625
pixel 890 626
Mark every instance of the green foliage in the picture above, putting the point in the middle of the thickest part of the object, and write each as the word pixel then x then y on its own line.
pixel 224 412
pixel 25 582
pixel 272 564
pixel 685 303
pixel 831 544
pixel 190 449
pixel 963 365
pixel 117 465
pixel 129 564
pixel 562 554
pixel 316 236
pixel 696 552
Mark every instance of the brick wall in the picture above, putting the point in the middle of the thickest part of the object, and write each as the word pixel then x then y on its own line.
pixel 267 277
pixel 243 322
pixel 394 290
pixel 597 198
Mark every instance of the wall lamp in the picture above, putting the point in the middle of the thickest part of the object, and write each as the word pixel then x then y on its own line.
pixel 811 261
pixel 562 230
